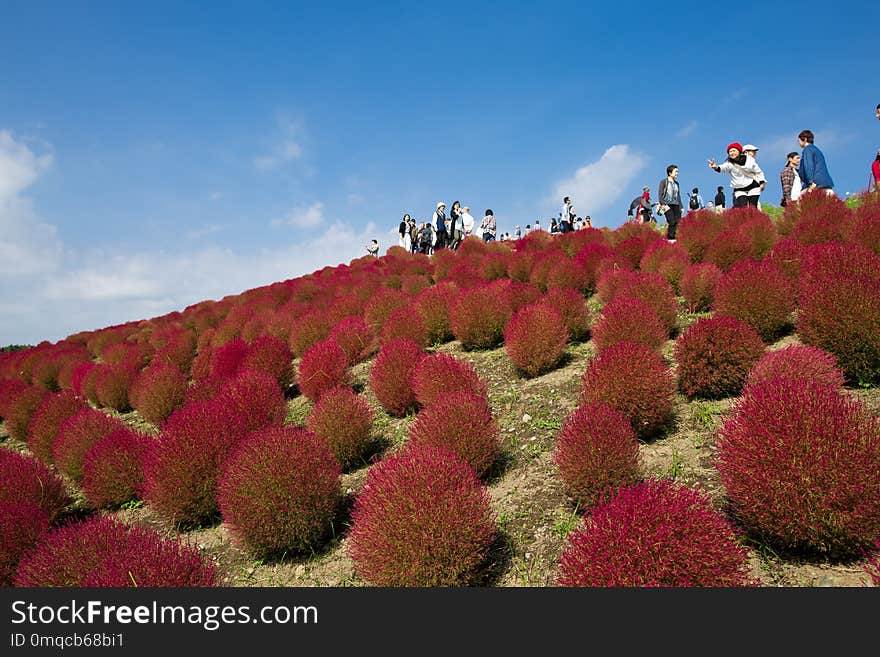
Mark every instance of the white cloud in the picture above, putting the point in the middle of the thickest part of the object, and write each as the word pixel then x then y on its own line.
pixel 288 147
pixel 203 231
pixel 687 130
pixel 597 185
pixel 303 217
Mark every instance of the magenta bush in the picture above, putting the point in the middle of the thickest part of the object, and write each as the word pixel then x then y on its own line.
pixel 439 374
pixel 46 422
pixel 797 361
pixel 157 390
pixel 77 435
pixel 270 355
pixel 355 337
pixel 433 305
pixel 279 491
pixel 624 319
pixel 573 308
pixel 597 453
pixel 25 480
pixel 391 376
pixel 323 367
pixel 759 294
pixel 698 284
pixel 535 339
pixel 405 323
pixel 255 396
pixel 342 419
pixel 478 317
pixel 20 410
pixel 113 469
pixel 422 518
pixel 22 524
pixel 653 534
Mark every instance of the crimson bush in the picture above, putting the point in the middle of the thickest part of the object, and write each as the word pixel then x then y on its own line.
pixel 355 337
pixel 633 379
pixel 157 391
pixel 46 422
pixel 535 339
pixel 405 323
pixel 22 524
pixel 25 480
pixel 437 375
pixel 433 305
pixel 270 355
pixel 306 331
pixel 343 420
pixel 322 367
pixel 113 469
pixel 800 483
pixel 279 490
pixel 112 385
pixel 625 319
pixel 255 396
pixel 478 317
pixel 759 294
pixel 655 534
pixel 596 453
pixel 422 518
pixel 380 307
pixel 698 285
pixel 391 376
pixel 714 356
pixel 21 408
pixel 573 308
pixel 77 435
pixel 799 362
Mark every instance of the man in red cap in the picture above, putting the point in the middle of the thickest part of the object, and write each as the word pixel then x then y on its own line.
pixel 746 177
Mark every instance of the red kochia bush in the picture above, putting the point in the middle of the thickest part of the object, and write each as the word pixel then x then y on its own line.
pixel 597 453
pixel 800 461
pixel 25 480
pixel 355 337
pixel 255 396
pixel 77 435
pixel 9 390
pixel 379 308
pixel 797 361
pixel 697 230
pixel 422 518
pixel 21 526
pixel 872 564
pixel 714 356
pixel 405 323
pixel 306 331
pixel 46 422
pixel 112 385
pixel 439 374
pixel 391 376
pixel 343 420
pixel 625 319
pixel 519 294
pixel 758 294
pixel 270 355
pixel 226 359
pixel 279 490
pixel 573 307
pixel 535 339
pixel 103 552
pixel 82 381
pixel 656 292
pixel 181 472
pixel 433 305
pixel 698 285
pixel 461 422
pixel 21 409
pixel 633 379
pixel 321 368
pixel 157 391
pixel 479 315
pixel 657 534
pixel 113 469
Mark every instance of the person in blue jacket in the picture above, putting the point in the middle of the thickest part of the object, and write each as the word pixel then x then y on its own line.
pixel 812 169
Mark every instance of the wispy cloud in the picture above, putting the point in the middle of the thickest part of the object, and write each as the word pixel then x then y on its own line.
pixel 597 185
pixel 687 130
pixel 303 217
pixel 288 146
pixel 203 231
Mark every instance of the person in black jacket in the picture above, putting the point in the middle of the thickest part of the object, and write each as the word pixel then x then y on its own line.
pixel 719 198
pixel 670 198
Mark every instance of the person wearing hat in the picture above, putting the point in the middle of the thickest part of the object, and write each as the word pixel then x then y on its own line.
pixel 438 222
pixel 746 177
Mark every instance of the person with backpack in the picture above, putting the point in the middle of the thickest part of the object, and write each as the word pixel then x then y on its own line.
pixel 746 177
pixel 695 201
pixel 670 201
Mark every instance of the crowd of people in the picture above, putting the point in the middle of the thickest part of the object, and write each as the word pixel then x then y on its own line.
pixel 804 171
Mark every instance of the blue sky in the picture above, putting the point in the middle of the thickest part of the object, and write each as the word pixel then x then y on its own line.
pixel 153 155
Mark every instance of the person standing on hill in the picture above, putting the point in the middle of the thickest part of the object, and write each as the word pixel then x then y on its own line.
pixel 791 181
pixel 875 171
pixel 695 201
pixel 487 226
pixel 746 177
pixel 467 223
pixel 413 235
pixel 403 232
pixel 455 225
pixel 813 170
pixel 720 201
pixel 670 198
pixel 438 223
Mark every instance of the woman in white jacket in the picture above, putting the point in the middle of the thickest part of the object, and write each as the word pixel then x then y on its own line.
pixel 467 222
pixel 746 177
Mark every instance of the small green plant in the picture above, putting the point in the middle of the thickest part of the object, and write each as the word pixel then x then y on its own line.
pixel 552 424
pixel 676 467
pixel 131 505
pixel 703 414
pixel 566 521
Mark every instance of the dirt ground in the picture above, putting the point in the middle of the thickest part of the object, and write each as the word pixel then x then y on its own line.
pixel 534 515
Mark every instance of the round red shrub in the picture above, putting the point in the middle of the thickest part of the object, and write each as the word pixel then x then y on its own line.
pixel 433 305
pixel 798 362
pixel 655 291
pixel 478 317
pixel 82 381
pixel 270 355
pixel 698 285
pixel 796 482
pixel 535 339
pixel 355 337
pixel 518 294
pixel 714 356
pixel 625 319
pixel 322 367
pixel 227 358
pixel 77 435
pixel 25 480
pixel 461 422
pixel 697 230
pixel 22 524
pixel 112 385
pixel 864 228
pixel 21 409
pixel 113 469
pixel 787 254
pixel 405 323
pixel 633 379
pixel 437 375
pixel 597 453
pixel 818 217
pixel 181 471
pixel 564 272
pixel 655 534
pixel 46 422
pixel 255 396
pixel 179 350
pixel 380 307
pixel 573 308
pixel 422 518
pixel 758 294
pixel 343 420
pixel 9 390
pixel 157 391
pixel 103 552
pixel 520 264
pixel 391 376
pixel 413 284
pixel 592 258
pixel 280 490
pixel 307 331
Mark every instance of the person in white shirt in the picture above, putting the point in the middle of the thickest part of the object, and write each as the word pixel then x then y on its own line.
pixel 746 177
pixel 467 222
pixel 790 179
